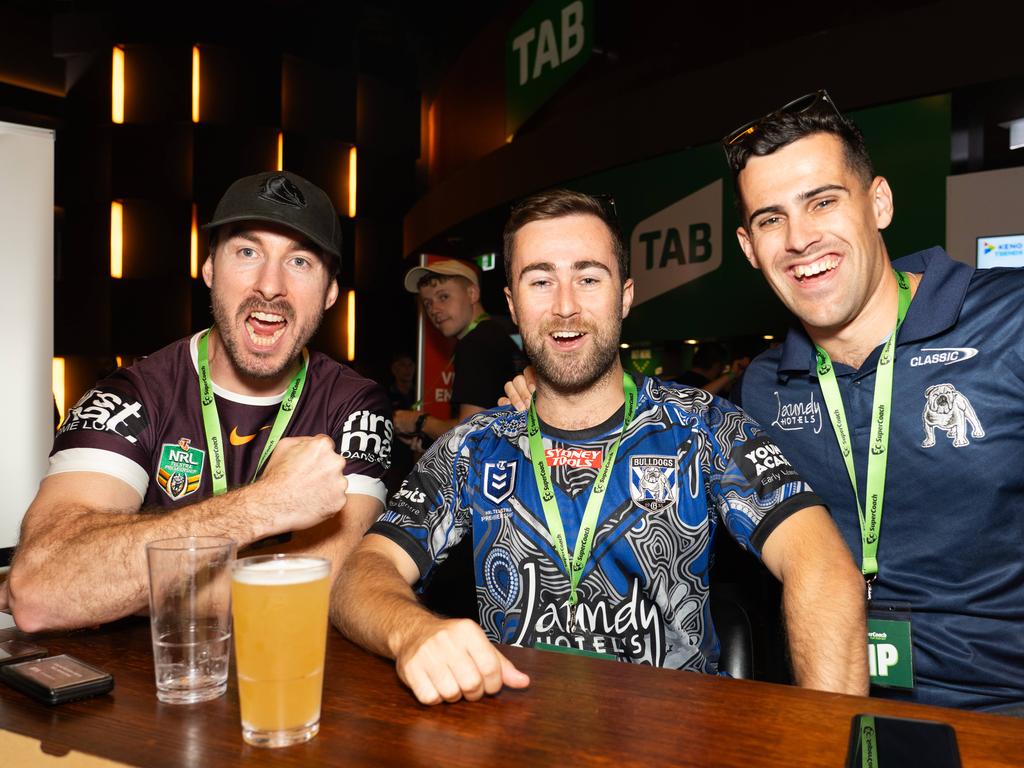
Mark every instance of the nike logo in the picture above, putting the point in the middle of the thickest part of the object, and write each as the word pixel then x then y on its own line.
pixel 236 439
pixel 943 355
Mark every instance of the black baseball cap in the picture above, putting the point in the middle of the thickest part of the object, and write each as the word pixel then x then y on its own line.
pixel 282 197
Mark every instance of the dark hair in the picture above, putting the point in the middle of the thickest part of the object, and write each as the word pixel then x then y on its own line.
pixel 554 204
pixel 783 128
pixel 227 231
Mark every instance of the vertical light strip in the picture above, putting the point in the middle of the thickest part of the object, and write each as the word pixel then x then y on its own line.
pixel 352 183
pixel 193 246
pixel 280 150
pixel 119 360
pixel 195 83
pixel 350 328
pixel 117 86
pixel 58 385
pixel 116 239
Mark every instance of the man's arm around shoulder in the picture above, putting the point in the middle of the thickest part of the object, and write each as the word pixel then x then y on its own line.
pixel 824 602
pixel 438 659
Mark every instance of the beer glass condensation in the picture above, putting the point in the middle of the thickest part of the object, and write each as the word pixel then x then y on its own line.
pixel 279 605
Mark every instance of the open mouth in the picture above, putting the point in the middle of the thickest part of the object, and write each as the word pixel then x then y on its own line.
pixel 567 339
pixel 265 328
pixel 809 272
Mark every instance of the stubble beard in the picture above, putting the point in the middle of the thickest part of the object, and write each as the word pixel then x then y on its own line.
pixel 574 374
pixel 254 365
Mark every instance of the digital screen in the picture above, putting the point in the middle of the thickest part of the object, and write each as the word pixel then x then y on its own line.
pixel 1001 251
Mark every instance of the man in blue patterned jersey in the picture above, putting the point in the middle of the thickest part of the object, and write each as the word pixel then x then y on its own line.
pixel 237 432
pixel 623 484
pixel 939 535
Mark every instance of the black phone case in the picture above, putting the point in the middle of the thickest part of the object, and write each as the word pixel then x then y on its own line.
pixel 13 676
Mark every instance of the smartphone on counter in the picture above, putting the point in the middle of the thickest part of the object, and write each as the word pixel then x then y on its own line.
pixel 57 679
pixel 877 741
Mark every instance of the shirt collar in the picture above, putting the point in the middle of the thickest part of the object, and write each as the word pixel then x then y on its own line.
pixel 935 308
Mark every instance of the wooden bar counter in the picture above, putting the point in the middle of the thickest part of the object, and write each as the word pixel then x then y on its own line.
pixel 576 712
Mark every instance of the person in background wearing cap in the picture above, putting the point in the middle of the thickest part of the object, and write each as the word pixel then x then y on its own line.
pixel 485 355
pixel 143 456
pixel 485 358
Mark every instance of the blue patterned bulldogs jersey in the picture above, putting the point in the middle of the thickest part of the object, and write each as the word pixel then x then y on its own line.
pixel 688 463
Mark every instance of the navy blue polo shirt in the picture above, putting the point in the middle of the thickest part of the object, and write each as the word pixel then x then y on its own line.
pixel 952 537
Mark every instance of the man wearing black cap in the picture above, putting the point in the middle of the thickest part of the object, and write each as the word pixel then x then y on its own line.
pixel 307 439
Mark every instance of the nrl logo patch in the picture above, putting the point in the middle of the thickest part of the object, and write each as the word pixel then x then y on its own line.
pixel 499 480
pixel 652 481
pixel 181 468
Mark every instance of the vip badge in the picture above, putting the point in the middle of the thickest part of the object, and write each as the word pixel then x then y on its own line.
pixel 652 481
pixel 499 480
pixel 181 468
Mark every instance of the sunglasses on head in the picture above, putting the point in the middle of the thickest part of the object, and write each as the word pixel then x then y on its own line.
pixel 809 102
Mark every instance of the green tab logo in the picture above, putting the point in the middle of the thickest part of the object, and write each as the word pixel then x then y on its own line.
pixel 677 244
pixel 181 468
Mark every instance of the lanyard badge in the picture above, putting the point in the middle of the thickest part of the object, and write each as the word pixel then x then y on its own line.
pixel 889 644
pixel 211 419
pixel 585 540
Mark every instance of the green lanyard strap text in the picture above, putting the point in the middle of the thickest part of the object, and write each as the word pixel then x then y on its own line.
pixel 588 526
pixel 211 419
pixel 870 525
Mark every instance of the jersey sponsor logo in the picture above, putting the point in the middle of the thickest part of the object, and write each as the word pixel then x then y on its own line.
pixel 792 417
pixel 942 355
pixel 573 457
pixel 366 436
pixel 106 411
pixel 236 439
pixel 653 481
pixel 499 480
pixel 180 469
pixel 762 463
pixel 948 410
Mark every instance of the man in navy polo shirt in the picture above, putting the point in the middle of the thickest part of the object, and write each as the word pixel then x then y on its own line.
pixel 914 443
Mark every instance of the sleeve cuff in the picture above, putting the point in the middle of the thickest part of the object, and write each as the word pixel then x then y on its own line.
pixel 773 519
pixel 406 541
pixel 367 486
pixel 104 462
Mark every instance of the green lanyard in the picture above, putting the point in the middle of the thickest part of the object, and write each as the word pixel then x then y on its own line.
pixel 476 321
pixel 880 408
pixel 588 527
pixel 211 420
pixel 868 742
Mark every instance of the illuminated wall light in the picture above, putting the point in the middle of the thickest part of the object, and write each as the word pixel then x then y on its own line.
pixel 116 239
pixel 195 85
pixel 768 337
pixel 623 345
pixel 431 136
pixel 352 183
pixel 58 385
pixel 193 246
pixel 119 360
pixel 117 86
pixel 280 151
pixel 350 328
pixel 690 341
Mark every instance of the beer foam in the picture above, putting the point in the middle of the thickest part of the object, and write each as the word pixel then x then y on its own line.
pixel 291 570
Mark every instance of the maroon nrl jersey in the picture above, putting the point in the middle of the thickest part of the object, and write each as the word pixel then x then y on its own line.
pixel 144 425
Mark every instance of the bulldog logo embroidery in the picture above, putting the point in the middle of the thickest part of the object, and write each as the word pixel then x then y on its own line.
pixel 949 410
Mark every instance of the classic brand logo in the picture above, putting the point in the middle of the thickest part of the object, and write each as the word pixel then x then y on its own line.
pixel 943 355
pixel 180 469
pixel 499 480
pixel 652 481
pixel 677 244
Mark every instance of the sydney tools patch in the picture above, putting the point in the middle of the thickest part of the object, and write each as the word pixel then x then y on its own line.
pixel 181 468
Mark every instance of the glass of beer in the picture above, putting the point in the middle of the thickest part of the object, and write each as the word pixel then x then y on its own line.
pixel 279 605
